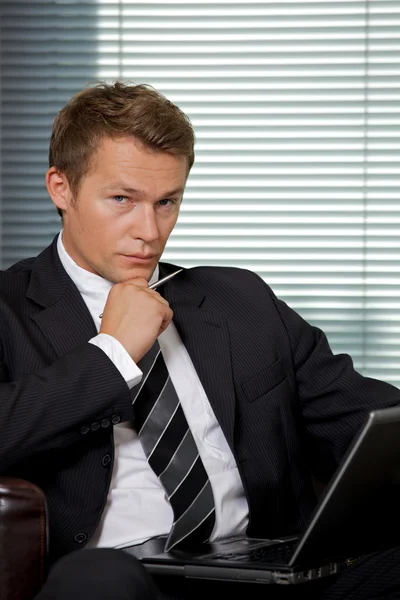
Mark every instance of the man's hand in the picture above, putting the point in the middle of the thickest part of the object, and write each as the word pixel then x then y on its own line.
pixel 135 315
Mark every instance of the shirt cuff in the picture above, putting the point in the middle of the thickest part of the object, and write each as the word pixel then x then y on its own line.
pixel 120 357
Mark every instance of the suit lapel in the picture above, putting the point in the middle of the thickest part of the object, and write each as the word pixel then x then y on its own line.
pixel 65 320
pixel 206 337
pixel 66 323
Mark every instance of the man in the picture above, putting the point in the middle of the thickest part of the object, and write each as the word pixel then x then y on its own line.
pixel 266 405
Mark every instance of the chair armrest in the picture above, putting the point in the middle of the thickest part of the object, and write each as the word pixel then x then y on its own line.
pixel 23 539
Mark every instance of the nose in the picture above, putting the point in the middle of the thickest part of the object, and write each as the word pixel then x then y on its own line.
pixel 146 227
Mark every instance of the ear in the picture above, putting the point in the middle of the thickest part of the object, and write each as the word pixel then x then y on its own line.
pixel 58 188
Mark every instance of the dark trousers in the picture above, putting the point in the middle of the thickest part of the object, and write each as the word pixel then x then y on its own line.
pixel 108 574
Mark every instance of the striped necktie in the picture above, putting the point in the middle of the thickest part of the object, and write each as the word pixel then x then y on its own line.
pixel 172 453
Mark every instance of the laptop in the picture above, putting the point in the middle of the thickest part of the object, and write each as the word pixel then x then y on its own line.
pixel 358 513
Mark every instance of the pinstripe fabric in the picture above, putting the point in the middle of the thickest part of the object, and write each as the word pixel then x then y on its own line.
pixel 241 340
pixel 172 452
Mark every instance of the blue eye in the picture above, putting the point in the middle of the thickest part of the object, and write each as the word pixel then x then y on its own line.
pixel 165 202
pixel 119 198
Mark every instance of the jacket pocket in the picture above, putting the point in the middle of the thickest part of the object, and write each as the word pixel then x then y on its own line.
pixel 264 382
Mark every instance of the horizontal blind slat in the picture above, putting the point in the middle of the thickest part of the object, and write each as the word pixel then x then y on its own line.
pixel 296 111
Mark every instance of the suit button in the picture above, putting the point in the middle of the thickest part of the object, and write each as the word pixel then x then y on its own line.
pixel 115 419
pixel 80 538
pixel 95 426
pixel 84 429
pixel 106 460
pixel 105 423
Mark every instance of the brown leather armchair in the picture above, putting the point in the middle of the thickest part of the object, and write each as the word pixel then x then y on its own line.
pixel 23 539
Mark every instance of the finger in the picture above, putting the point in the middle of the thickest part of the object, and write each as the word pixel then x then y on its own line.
pixel 157 296
pixel 138 281
pixel 165 324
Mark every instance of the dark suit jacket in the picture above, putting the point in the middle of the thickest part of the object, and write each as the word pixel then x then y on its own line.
pixel 287 405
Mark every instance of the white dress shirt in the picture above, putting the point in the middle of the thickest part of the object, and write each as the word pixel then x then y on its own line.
pixel 137 508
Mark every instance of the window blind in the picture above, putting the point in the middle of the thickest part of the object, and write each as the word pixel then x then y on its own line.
pixel 296 111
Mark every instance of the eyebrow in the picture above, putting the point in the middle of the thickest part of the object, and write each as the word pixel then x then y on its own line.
pixel 133 191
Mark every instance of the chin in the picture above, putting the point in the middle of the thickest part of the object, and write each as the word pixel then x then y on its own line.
pixel 133 273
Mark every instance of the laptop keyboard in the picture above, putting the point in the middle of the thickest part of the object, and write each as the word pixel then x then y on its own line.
pixel 279 553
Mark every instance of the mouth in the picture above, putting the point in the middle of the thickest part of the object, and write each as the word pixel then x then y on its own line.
pixel 143 259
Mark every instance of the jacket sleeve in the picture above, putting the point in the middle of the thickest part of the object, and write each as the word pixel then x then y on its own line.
pixel 333 398
pixel 77 395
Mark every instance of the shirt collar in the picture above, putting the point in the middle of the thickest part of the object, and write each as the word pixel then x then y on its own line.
pixel 91 286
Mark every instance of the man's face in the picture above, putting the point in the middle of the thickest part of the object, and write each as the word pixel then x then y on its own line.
pixel 126 207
